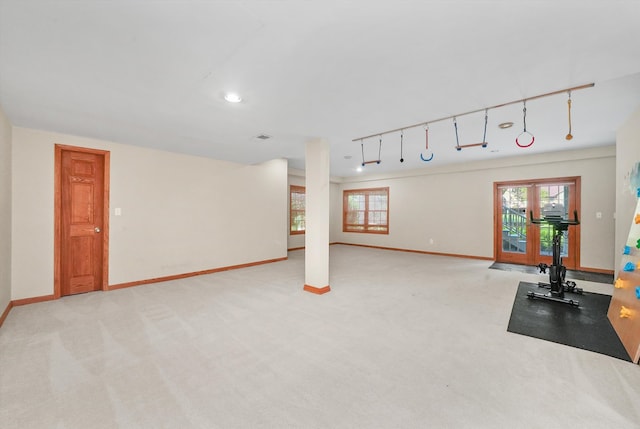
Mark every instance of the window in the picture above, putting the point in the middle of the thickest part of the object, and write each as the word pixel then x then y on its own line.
pixel 296 207
pixel 366 210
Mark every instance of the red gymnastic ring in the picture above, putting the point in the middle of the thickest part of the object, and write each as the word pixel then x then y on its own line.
pixel 525 145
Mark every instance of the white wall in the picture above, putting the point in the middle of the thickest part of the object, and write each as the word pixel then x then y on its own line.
pixel 180 213
pixel 5 211
pixel 627 156
pixel 453 205
pixel 183 214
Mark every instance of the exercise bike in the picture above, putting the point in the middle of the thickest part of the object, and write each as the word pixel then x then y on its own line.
pixel 552 215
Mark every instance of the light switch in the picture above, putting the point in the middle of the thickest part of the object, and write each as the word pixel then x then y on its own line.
pixel 117 211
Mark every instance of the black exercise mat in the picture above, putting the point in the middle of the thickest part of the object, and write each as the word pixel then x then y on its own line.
pixel 571 274
pixel 586 327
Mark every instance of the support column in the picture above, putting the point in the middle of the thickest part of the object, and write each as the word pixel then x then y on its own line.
pixel 317 199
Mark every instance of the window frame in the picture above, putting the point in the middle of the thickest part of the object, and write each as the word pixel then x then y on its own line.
pixel 298 190
pixel 367 227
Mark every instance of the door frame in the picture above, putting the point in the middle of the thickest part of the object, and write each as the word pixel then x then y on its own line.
pixel 535 234
pixel 57 240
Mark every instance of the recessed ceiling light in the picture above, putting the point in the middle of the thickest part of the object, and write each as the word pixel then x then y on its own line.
pixel 359 169
pixel 232 97
pixel 263 137
pixel 505 125
pixel 347 157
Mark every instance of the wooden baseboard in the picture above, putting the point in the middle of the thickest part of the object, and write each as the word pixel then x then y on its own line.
pixel 24 301
pixel 317 290
pixel 33 300
pixel 596 270
pixel 192 274
pixel 36 299
pixel 424 252
pixel 303 247
pixel 5 313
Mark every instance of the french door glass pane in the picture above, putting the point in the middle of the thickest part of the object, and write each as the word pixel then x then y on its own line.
pixel 553 199
pixel 514 219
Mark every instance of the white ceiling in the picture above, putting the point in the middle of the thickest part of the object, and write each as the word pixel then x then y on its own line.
pixel 153 73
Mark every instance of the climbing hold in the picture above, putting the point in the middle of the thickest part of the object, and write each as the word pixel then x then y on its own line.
pixel 627 250
pixel 625 312
pixel 638 244
pixel 638 193
pixel 638 292
pixel 629 266
pixel 637 218
pixel 619 284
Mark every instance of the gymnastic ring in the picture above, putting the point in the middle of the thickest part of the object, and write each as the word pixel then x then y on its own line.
pixel 525 145
pixel 426 159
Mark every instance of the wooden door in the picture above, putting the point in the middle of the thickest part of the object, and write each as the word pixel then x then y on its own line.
pixel 513 232
pixel 563 194
pixel 519 241
pixel 81 220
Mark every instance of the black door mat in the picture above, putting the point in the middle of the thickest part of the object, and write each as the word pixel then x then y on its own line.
pixel 585 327
pixel 571 274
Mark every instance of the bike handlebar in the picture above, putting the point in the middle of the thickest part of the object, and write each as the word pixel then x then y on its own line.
pixel 555 220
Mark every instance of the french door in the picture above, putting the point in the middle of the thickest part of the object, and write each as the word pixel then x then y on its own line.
pixel 519 241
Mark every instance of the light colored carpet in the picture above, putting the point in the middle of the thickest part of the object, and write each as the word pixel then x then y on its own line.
pixel 402 341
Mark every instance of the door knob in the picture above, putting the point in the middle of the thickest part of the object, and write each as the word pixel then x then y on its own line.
pixel 96 229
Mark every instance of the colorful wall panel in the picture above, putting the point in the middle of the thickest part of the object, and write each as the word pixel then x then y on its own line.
pixel 624 309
